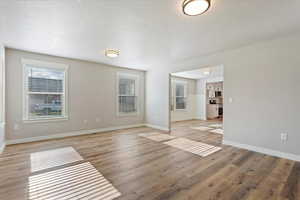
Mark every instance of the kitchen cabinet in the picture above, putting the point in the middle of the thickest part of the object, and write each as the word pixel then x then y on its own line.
pixel 212 111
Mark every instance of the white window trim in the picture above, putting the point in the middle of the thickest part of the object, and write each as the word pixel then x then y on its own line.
pixel 185 85
pixel 136 78
pixel 3 83
pixel 43 64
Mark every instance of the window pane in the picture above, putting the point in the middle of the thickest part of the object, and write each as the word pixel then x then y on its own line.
pixel 43 105
pixel 180 90
pixel 126 87
pixel 45 80
pixel 127 104
pixel 180 103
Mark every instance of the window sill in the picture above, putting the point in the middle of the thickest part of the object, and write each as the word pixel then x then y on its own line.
pixel 180 110
pixel 127 114
pixel 45 120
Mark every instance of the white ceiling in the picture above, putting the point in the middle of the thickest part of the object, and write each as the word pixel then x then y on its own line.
pixel 213 72
pixel 146 32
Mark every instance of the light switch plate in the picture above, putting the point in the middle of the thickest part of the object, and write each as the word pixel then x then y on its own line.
pixel 284 137
pixel 16 127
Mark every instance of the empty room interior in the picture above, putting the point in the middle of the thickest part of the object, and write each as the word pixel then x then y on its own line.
pixel 149 100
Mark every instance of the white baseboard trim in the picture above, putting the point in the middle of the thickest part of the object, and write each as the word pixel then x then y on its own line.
pixel 73 133
pixel 200 118
pixel 263 150
pixel 197 118
pixel 2 147
pixel 157 127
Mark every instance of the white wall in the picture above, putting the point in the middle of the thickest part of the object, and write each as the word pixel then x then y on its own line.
pixel 201 99
pixel 2 98
pixel 263 80
pixel 92 94
pixel 190 112
pixel 157 98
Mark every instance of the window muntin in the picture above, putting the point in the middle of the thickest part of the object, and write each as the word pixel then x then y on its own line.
pixel 127 94
pixel 44 91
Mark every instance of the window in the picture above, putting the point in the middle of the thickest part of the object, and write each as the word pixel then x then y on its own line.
pixel 180 95
pixel 44 90
pixel 127 94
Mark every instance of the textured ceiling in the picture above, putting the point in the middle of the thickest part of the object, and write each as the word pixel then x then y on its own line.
pixel 147 32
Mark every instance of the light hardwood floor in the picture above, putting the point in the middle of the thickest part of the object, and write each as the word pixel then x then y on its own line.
pixel 140 168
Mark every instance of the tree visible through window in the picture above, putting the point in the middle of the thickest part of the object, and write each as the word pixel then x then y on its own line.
pixel 44 91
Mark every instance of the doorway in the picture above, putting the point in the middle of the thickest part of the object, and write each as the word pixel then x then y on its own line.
pixel 196 102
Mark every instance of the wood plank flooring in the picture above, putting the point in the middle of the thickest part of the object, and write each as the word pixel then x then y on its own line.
pixel 140 168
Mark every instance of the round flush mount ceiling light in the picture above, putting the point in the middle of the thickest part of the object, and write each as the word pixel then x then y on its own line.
pixel 195 7
pixel 206 73
pixel 112 53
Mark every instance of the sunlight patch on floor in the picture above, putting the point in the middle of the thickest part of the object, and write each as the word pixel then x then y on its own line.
pixel 53 158
pixel 80 181
pixel 201 128
pixel 216 125
pixel 194 147
pixel 158 137
pixel 218 131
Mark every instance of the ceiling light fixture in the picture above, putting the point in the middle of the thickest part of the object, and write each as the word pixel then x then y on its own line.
pixel 112 53
pixel 195 7
pixel 206 73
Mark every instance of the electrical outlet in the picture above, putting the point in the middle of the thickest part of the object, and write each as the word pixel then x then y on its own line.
pixel 230 100
pixel 284 137
pixel 16 127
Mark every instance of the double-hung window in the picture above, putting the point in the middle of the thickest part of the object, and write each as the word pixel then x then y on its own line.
pixel 180 95
pixel 128 98
pixel 44 90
